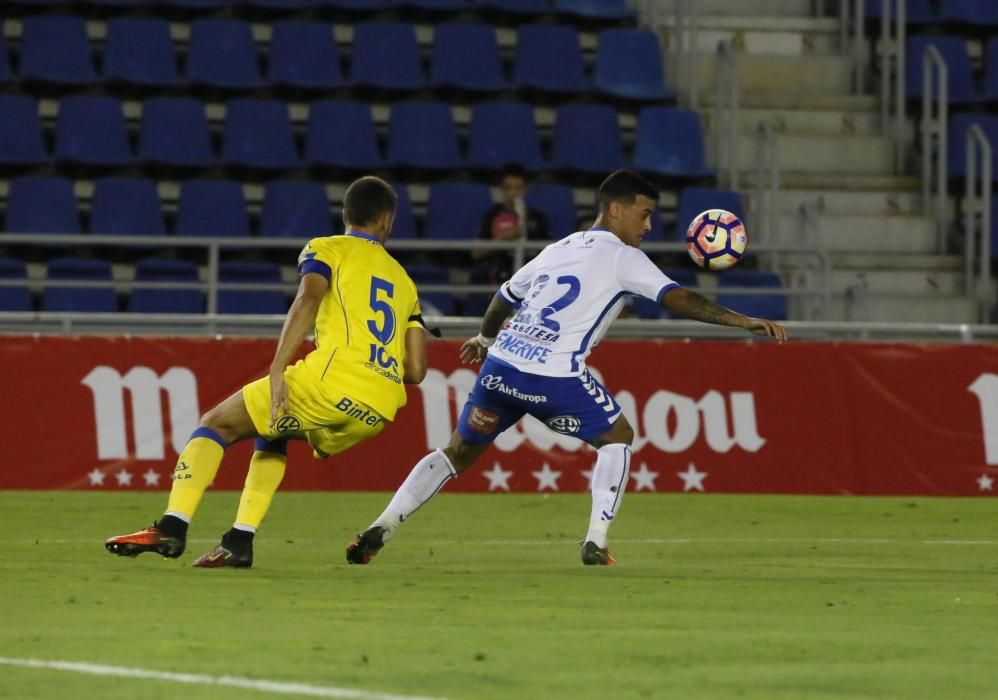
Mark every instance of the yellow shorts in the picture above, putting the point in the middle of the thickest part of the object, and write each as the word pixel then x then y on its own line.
pixel 330 421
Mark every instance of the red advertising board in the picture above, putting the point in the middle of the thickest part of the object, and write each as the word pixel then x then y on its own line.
pixel 112 413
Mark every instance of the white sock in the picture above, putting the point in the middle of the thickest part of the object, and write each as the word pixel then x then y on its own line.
pixel 613 463
pixel 243 527
pixel 426 478
pixel 178 516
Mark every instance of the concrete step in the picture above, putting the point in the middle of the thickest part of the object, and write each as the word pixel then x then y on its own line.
pixel 871 233
pixel 835 202
pixel 822 181
pixel 762 34
pixel 799 121
pixel 898 282
pixel 904 308
pixel 894 261
pixel 745 8
pixel 766 77
pixel 793 99
pixel 824 153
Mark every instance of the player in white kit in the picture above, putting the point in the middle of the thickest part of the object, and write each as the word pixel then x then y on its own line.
pixel 561 303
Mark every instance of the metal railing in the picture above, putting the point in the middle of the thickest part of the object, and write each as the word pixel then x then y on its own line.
pixel 725 126
pixel 935 109
pixel 852 16
pixel 685 57
pixel 767 184
pixel 892 72
pixel 977 218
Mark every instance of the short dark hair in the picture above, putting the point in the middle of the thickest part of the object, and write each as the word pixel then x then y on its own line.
pixel 513 170
pixel 624 186
pixel 367 199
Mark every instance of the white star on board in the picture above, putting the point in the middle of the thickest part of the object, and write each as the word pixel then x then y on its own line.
pixel 151 477
pixel 587 474
pixel 692 479
pixel 96 477
pixel 547 478
pixel 498 478
pixel 124 478
pixel 985 482
pixel 644 478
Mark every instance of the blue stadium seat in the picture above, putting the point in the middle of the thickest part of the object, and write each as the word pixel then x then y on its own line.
pixel 548 58
pixel 359 5
pixel 404 227
pixel 432 303
pixel 916 11
pixel 595 9
pixel 295 209
pixel 303 56
pixel 197 4
pixel 38 204
pixel 118 4
pixel 694 200
pixel 528 8
pixel 6 74
pixel 14 298
pixel 212 208
pixel 174 132
pixel 773 307
pixel 557 203
pixel 643 307
pixel 341 134
pixel 466 57
pixel 166 301
pixel 422 135
pixel 126 206
pixel 20 132
pixel 258 135
pixel 221 54
pixel 956 142
pixel 954 53
pixel 54 49
pixel 436 5
pixel 91 131
pixel 670 142
pixel 139 51
pixel 991 70
pixel 234 301
pixel 475 304
pixel 455 210
pixel 629 65
pixel 503 132
pixel 386 56
pixel 91 299
pixel 281 4
pixel 974 13
pixel 587 139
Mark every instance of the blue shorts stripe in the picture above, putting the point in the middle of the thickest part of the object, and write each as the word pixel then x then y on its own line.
pixel 209 434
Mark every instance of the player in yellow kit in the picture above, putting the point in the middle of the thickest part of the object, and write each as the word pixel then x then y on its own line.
pixel 369 342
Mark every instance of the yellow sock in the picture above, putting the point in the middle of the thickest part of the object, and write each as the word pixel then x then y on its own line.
pixel 195 470
pixel 265 473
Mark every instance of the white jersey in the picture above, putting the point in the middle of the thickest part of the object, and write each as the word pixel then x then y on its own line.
pixel 568 296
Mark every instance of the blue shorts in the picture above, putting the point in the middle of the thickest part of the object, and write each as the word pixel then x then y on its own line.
pixel 577 406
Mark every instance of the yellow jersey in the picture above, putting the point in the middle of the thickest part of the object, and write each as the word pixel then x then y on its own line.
pixel 361 323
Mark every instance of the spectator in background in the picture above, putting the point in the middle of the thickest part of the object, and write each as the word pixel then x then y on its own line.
pixel 508 221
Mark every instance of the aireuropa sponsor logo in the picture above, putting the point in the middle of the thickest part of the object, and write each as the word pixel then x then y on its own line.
pixel 494 382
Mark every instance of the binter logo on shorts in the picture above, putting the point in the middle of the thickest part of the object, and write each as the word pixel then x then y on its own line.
pixel 493 382
pixel 287 424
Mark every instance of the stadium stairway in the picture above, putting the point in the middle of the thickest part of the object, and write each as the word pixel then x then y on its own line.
pixel 837 162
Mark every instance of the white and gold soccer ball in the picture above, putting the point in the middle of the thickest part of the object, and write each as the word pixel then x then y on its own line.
pixel 716 239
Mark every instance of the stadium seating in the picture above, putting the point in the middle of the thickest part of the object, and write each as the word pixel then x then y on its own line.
pixel 974 13
pixel 526 8
pixel 55 50
pixel 916 11
pixel 694 200
pixel 670 142
pixel 138 51
pixel 773 307
pixel 359 5
pixel 405 223
pixel 466 57
pixel 95 299
pixel 455 210
pixel 197 4
pixel 21 141
pixel 956 141
pixel 595 9
pixel 281 4
pixel 386 57
pixel 503 132
pixel 643 307
pixel 91 132
pixel 991 71
pixel 303 56
pixel 212 208
pixel 548 59
pixel 237 301
pixel 126 206
pixel 557 203
pixel 221 54
pixel 166 301
pixel 432 303
pixel 295 209
pixel 422 135
pixel 587 139
pixel 954 52
pixel 341 134
pixel 6 74
pixel 174 133
pixel 14 298
pixel 436 5
pixel 38 204
pixel 258 136
pixel 629 65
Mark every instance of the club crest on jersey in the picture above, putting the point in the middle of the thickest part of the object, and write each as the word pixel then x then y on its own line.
pixel 287 424
pixel 566 425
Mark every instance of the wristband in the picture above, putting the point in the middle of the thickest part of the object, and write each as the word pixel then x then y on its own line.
pixel 485 342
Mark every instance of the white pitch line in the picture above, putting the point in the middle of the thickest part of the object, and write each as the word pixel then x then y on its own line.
pixel 267 686
pixel 659 540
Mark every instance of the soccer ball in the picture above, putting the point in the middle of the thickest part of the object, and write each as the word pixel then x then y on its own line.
pixel 716 239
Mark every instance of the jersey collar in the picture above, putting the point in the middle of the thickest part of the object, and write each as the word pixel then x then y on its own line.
pixel 365 236
pixel 603 230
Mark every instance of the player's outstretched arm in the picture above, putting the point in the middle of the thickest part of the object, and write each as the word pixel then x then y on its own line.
pixel 299 321
pixel 474 349
pixel 690 304
pixel 414 362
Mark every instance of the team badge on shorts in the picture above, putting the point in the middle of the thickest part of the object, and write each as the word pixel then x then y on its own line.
pixel 566 425
pixel 287 424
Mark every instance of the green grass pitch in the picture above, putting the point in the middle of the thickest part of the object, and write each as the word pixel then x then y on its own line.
pixel 483 596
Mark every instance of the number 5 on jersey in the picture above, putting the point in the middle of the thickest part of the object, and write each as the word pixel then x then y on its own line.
pixel 383 328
